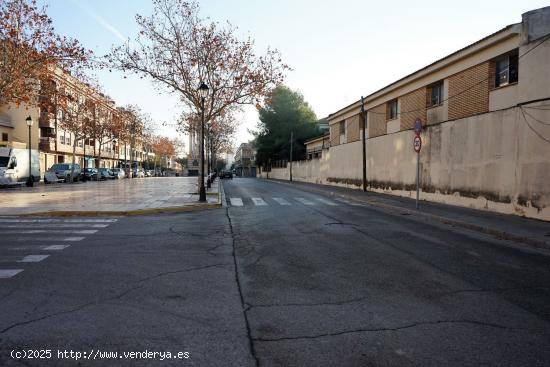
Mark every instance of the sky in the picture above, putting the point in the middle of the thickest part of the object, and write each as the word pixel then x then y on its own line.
pixel 338 50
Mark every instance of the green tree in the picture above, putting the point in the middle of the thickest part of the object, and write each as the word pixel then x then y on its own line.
pixel 284 111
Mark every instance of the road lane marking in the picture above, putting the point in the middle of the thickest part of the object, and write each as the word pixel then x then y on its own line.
pixel 259 202
pixel 281 201
pixel 56 247
pixel 236 201
pixel 47 239
pixel 55 225
pixel 64 231
pixel 327 202
pixel 305 201
pixel 8 273
pixel 33 258
pixel 57 220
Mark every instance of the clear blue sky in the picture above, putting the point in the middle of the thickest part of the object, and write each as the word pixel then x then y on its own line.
pixel 339 50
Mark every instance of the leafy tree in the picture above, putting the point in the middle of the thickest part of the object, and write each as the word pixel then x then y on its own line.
pixel 285 111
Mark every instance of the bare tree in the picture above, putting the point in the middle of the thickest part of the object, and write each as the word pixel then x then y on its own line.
pixel 31 50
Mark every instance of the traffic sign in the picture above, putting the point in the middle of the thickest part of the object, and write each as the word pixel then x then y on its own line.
pixel 417 143
pixel 418 126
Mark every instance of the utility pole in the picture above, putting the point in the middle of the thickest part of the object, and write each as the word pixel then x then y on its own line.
pixel 291 144
pixel 364 124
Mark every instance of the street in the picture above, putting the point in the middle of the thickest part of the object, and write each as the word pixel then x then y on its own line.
pixel 280 276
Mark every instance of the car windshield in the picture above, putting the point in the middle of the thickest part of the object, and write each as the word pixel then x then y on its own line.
pixel 60 167
pixel 4 161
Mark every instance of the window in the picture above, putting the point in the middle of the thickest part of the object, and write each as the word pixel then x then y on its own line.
pixel 80 143
pixel 436 94
pixel 4 136
pixel 506 70
pixel 391 110
pixel 62 139
pixel 68 140
pixel 342 127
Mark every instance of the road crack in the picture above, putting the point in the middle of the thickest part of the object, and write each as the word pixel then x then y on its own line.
pixel 75 309
pixel 398 328
pixel 180 271
pixel 245 307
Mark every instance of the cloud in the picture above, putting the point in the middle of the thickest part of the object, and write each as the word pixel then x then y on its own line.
pixel 100 20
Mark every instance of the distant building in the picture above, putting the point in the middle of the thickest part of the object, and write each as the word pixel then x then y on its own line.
pixel 245 160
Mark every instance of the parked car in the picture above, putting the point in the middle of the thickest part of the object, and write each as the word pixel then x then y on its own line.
pixel 63 171
pixel 138 172
pixel 226 174
pixel 119 173
pixel 89 174
pixel 106 174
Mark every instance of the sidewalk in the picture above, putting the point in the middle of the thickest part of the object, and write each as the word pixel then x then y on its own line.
pixel 510 227
pixel 116 197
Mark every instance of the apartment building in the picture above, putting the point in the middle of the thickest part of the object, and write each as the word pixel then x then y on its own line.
pixel 56 143
pixel 486 136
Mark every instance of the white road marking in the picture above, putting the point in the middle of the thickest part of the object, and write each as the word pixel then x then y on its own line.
pixel 55 225
pixel 305 201
pixel 33 258
pixel 328 202
pixel 259 202
pixel 8 273
pixel 48 239
pixel 64 231
pixel 281 201
pixel 236 201
pixel 55 247
pixel 57 220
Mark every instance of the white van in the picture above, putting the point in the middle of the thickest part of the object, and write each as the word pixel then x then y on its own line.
pixel 14 165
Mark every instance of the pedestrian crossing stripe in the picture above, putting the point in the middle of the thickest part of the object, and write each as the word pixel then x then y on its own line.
pixel 281 201
pixel 56 247
pixel 64 231
pixel 56 220
pixel 8 273
pixel 54 225
pixel 236 201
pixel 305 201
pixel 259 202
pixel 33 258
pixel 327 202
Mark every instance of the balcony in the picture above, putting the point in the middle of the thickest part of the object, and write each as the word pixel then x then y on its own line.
pixel 46 120
pixel 47 144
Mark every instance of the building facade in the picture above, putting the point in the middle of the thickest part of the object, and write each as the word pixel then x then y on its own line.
pixel 245 160
pixel 55 143
pixel 486 128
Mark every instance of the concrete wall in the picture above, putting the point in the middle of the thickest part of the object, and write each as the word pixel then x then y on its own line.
pixel 491 161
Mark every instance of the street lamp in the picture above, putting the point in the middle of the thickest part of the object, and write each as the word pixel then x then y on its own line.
pixel 30 180
pixel 203 92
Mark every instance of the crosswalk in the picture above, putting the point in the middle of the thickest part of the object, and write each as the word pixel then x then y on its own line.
pixel 24 241
pixel 267 201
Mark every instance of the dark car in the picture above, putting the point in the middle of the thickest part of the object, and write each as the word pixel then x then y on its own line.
pixel 106 174
pixel 89 174
pixel 226 174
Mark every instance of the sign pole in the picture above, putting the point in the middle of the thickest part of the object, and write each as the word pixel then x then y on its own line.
pixel 364 125
pixel 417 177
pixel 417 145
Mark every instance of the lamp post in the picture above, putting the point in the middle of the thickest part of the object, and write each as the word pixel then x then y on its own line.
pixel 203 92
pixel 30 180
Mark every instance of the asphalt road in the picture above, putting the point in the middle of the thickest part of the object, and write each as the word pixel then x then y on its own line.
pixel 279 277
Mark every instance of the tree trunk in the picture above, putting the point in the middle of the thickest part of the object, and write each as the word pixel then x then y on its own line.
pixel 74 158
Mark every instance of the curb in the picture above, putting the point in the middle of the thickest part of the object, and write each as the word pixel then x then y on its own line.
pixel 84 213
pixel 503 235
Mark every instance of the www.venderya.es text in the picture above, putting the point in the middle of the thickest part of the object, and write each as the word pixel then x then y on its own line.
pixel 94 354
